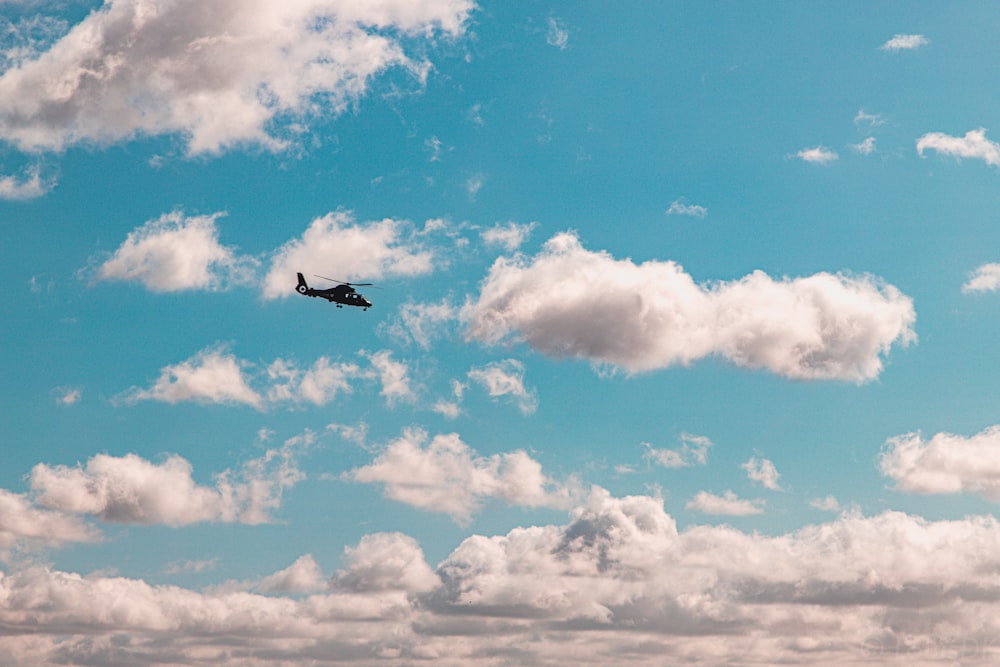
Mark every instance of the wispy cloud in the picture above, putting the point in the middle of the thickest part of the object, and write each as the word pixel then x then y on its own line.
pixel 763 472
pixel 986 278
pixel 693 451
pixel 866 147
pixel 728 504
pixel 557 35
pixel 678 207
pixel 503 379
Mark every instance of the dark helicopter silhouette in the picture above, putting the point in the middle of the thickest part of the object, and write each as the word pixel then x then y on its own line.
pixel 343 294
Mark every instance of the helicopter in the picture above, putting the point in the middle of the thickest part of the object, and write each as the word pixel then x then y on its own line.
pixel 343 294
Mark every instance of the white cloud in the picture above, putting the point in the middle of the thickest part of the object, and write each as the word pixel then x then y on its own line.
pixel 473 184
pixel 508 236
pixel 211 376
pixel 693 451
pixel 445 475
pixel 23 524
pixel 174 253
pixel 985 279
pixel 68 395
pixel 617 584
pixel 946 463
pixel 130 489
pixel 302 576
pixel 678 207
pixel 866 147
pixel 217 75
pixel 29 185
pixel 336 246
pixel 817 155
pixel 506 378
pixel 728 504
pixel 571 302
pixel 762 471
pixel 904 43
pixel 973 145
pixel 394 376
pixel 318 385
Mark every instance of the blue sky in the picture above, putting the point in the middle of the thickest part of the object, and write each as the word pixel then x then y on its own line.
pixel 681 346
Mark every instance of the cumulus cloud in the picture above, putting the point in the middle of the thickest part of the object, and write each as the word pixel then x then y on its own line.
pixel 506 378
pixel 337 244
pixel 693 451
pixel 973 145
pixel 211 376
pixel 985 279
pixel 508 236
pixel 762 471
pixel 727 504
pixel 946 463
pixel 302 576
pixel 827 504
pixel 445 475
pixel 618 583
pixel 571 302
pixel 22 523
pixel 318 385
pixel 216 75
pixel 130 489
pixel 817 155
pixel 904 43
pixel 394 376
pixel 174 253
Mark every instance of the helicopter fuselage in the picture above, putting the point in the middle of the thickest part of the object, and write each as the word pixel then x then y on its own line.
pixel 342 295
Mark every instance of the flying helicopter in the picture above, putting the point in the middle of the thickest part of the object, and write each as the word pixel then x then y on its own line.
pixel 343 294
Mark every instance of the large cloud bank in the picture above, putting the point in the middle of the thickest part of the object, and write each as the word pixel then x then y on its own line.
pixel 568 301
pixel 217 73
pixel 618 584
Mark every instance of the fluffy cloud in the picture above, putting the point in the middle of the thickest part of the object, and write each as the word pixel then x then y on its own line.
pixel 973 145
pixel 174 253
pixel 218 74
pixel 904 42
pixel 446 475
pixel 727 504
pixel 130 489
pixel 335 244
pixel 817 155
pixel 946 463
pixel 985 279
pixel 23 523
pixel 506 378
pixel 618 583
pixel 762 471
pixel 571 302
pixel 211 376
pixel 394 375
pixel 319 384
pixel 302 576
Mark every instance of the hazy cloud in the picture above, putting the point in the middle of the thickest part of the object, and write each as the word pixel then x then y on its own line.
pixel 762 471
pixel 506 378
pixel 217 75
pixel 866 147
pixel 29 185
pixel 571 302
pixel 693 451
pixel 678 207
pixel 728 504
pixel 509 236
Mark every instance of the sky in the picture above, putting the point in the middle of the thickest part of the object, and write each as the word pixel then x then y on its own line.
pixel 682 346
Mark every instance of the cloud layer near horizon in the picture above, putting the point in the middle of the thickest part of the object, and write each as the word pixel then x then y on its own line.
pixel 618 576
pixel 568 301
